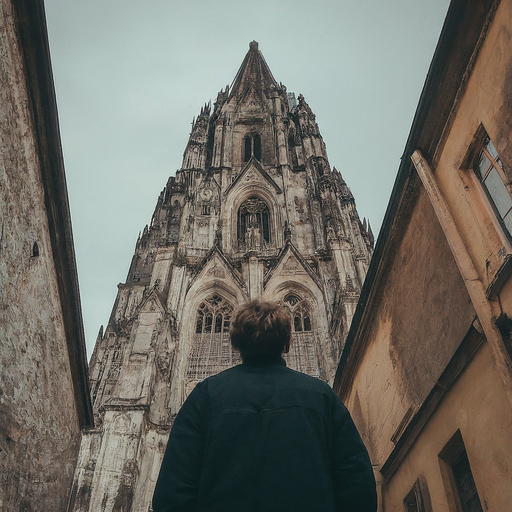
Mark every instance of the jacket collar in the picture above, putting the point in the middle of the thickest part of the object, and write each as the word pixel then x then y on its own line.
pixel 263 361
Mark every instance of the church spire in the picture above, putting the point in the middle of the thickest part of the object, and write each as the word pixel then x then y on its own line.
pixel 254 71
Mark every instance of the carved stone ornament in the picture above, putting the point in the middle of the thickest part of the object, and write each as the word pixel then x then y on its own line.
pixel 253 205
pixel 206 194
pixel 216 271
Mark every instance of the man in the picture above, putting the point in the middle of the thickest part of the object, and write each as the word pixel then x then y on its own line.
pixel 261 437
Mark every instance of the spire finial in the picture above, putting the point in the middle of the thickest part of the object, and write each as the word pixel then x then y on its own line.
pixel 253 45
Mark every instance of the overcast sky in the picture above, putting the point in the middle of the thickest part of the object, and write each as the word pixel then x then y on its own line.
pixel 130 75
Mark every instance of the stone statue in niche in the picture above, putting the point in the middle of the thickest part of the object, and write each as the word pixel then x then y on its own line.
pixel 300 208
pixel 253 224
pixel 252 232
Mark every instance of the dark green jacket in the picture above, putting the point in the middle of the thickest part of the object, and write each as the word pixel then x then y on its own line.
pixel 260 437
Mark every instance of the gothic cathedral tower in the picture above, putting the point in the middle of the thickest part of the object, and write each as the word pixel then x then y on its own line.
pixel 255 212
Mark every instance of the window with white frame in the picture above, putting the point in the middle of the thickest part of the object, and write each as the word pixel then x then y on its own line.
pixel 489 169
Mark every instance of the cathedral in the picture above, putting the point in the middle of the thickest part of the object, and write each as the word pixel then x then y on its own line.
pixel 255 212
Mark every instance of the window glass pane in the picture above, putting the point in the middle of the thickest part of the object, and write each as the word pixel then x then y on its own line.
pixel 508 221
pixel 307 323
pixel 492 149
pixel 297 324
pixel 199 324
pixel 498 192
pixel 247 149
pixel 483 165
pixel 412 506
pixel 466 488
pixel 292 299
pixel 266 231
pixel 257 147
pixel 218 323
pixel 208 323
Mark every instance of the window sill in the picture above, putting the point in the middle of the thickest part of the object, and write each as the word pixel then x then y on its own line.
pixel 500 277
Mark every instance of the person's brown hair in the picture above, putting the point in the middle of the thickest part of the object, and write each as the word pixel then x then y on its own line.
pixel 261 329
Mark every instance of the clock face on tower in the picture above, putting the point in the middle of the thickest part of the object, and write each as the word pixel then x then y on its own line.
pixel 206 194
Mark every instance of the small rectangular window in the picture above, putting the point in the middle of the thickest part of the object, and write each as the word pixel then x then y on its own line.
pixel 490 172
pixel 418 499
pixel 460 485
pixel 206 209
pixel 466 488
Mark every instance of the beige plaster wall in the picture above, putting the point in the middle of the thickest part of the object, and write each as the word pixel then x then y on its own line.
pixel 410 336
pixel 486 100
pixel 477 405
pixel 424 310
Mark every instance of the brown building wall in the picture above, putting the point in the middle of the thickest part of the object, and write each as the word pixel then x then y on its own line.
pixel 427 373
pixel 477 406
pixel 410 338
pixel 485 100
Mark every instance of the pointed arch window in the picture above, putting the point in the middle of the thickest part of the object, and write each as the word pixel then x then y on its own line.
pixel 302 355
pixel 253 224
pixel 300 310
pixel 252 147
pixel 211 349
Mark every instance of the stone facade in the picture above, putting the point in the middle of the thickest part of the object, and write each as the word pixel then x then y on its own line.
pixel 44 393
pixel 255 212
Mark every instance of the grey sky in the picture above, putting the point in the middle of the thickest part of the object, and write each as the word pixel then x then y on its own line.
pixel 131 74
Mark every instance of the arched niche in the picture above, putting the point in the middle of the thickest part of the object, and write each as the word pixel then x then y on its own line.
pixel 235 199
pixel 253 224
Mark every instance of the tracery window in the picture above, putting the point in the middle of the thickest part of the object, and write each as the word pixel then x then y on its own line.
pixel 302 355
pixel 252 147
pixel 211 349
pixel 253 223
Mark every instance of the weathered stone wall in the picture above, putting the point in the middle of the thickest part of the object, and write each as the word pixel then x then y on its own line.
pixel 39 423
